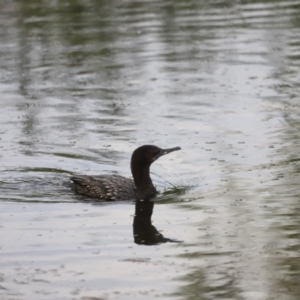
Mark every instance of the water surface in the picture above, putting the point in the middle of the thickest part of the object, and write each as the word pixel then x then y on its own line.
pixel 83 83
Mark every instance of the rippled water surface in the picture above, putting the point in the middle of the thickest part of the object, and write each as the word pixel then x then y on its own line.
pixel 83 83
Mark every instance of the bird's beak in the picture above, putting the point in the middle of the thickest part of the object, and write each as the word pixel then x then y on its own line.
pixel 165 151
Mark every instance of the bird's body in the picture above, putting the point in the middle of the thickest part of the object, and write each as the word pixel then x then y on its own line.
pixel 115 187
pixel 108 187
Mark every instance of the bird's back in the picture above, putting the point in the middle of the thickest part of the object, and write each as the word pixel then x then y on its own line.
pixel 105 187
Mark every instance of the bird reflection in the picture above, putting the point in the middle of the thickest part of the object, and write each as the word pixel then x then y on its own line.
pixel 144 232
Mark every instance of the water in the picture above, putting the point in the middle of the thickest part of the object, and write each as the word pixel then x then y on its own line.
pixel 84 83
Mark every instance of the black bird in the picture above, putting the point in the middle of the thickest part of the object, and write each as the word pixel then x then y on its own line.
pixel 116 187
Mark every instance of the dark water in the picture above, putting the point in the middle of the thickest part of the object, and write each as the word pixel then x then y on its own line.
pixel 83 83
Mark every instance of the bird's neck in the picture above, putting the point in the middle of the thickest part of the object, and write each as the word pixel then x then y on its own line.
pixel 143 183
